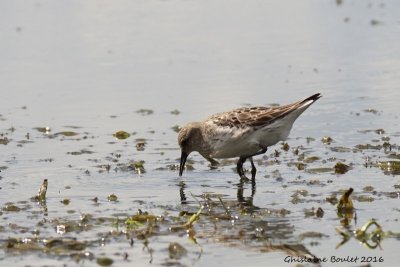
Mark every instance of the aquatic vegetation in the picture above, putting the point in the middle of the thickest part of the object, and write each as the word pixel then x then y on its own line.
pixel 341 168
pixel 371 110
pixel 4 141
pixel 175 112
pixel 82 151
pixel 285 146
pixel 375 22
pixel 363 198
pixel 389 167
pixel 176 251
pixel 319 170
pixel 10 207
pixel 345 204
pixel 121 135
pixel 368 188
pixel 132 166
pixel 314 212
pixel 377 131
pixel 104 261
pixel 144 112
pixel 311 159
pixel 140 145
pixel 66 133
pixel 340 149
pixel 327 140
pixel 176 128
pixel 370 235
pixel 112 197
pixel 41 196
pixel 45 130
pixel 313 235
pixel 138 166
pixel 368 146
pixel 65 201
pixel 394 156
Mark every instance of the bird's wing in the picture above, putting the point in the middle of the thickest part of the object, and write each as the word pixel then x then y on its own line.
pixel 258 116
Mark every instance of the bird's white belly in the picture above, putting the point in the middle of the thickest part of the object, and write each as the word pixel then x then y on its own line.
pixel 235 145
pixel 235 149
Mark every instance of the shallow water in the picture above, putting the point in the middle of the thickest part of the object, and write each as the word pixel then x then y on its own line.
pixel 89 67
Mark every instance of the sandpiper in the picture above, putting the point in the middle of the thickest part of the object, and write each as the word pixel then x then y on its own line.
pixel 243 132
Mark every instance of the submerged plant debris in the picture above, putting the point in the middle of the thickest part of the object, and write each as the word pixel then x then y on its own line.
pixel 327 140
pixel 144 111
pixel 389 167
pixel 4 141
pixel 370 235
pixel 66 133
pixel 121 135
pixel 175 112
pixel 41 196
pixel 176 128
pixel 341 168
pixel 345 204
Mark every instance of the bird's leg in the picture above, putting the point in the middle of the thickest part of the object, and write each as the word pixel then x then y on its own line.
pixel 213 163
pixel 242 159
pixel 262 151
pixel 240 168
pixel 253 169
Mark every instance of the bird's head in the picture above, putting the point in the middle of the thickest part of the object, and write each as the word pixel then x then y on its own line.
pixel 189 139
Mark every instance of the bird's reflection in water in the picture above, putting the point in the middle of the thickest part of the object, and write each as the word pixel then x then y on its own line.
pixel 182 195
pixel 268 233
pixel 246 202
pixel 242 201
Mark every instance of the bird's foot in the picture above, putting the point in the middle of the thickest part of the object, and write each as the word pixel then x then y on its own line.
pixel 213 163
pixel 244 179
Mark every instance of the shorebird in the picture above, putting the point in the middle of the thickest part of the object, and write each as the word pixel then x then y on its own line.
pixel 244 132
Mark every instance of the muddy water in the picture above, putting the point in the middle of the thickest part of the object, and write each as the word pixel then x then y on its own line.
pixel 89 69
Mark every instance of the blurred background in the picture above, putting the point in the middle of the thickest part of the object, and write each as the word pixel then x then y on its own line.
pixel 81 59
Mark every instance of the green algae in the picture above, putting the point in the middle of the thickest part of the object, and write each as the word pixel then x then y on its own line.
pixel 66 133
pixel 121 135
pixel 41 195
pixel 176 128
pixel 4 141
pixel 311 159
pixel 327 140
pixel 389 167
pixel 112 197
pixel 144 111
pixel 176 251
pixel 341 168
pixel 104 261
pixel 10 207
pixel 345 204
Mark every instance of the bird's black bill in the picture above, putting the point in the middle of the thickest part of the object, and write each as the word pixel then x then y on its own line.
pixel 184 156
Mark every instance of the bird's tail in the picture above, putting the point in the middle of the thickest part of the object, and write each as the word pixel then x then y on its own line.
pixel 309 100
